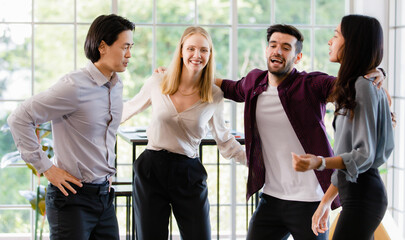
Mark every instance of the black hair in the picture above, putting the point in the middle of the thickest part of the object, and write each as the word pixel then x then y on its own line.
pixel 104 28
pixel 287 29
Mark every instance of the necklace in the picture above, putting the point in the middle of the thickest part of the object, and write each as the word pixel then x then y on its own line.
pixel 187 94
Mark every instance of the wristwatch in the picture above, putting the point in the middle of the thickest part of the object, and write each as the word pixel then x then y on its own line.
pixel 323 164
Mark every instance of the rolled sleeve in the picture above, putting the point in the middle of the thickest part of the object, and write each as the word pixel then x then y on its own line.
pixel 351 167
pixel 27 143
pixel 240 157
pixel 233 90
pixel 142 100
pixel 228 146
pixel 357 138
pixel 38 159
pixel 53 103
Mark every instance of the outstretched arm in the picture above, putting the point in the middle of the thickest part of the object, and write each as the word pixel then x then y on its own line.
pixel 142 99
pixel 218 82
pixel 305 162
pixel 228 146
pixel 393 115
pixel 378 74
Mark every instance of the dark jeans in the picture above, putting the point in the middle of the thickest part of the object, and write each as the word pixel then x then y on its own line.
pixel 88 214
pixel 275 219
pixel 165 182
pixel 363 206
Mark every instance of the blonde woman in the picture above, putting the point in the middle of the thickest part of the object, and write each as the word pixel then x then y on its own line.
pixel 168 175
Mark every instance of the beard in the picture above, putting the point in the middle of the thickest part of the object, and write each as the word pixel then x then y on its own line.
pixel 281 72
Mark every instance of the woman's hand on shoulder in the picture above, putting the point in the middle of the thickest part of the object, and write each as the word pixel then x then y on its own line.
pixel 160 70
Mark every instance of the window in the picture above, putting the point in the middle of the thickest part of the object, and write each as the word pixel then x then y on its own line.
pixel 42 40
pixel 396 165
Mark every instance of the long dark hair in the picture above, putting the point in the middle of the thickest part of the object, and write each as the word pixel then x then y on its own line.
pixel 361 52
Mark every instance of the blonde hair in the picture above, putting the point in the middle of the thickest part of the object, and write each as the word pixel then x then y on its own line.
pixel 171 79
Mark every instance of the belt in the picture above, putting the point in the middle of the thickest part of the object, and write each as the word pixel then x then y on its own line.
pixel 93 189
pixel 177 156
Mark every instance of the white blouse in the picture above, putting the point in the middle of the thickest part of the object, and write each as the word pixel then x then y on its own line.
pixel 182 132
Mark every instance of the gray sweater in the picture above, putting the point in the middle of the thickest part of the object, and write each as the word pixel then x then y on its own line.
pixel 368 140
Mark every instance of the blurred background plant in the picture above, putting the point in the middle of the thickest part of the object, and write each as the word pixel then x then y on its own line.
pixel 35 198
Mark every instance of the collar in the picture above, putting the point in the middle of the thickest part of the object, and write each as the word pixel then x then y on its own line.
pixel 264 81
pixel 98 77
pixel 289 79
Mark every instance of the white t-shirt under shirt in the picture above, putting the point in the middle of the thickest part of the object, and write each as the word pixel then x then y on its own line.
pixel 182 132
pixel 278 140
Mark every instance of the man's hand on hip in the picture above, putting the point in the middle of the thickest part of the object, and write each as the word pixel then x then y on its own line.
pixel 60 178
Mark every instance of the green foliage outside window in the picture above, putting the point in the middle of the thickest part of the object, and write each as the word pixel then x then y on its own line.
pixel 35 198
pixel 57 39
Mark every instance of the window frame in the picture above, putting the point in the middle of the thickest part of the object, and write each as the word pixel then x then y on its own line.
pixel 233 27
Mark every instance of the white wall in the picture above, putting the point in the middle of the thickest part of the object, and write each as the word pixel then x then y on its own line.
pixel 380 10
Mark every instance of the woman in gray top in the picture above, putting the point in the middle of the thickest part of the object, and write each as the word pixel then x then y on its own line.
pixel 363 133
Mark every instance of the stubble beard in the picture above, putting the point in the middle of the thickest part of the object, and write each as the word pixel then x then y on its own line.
pixel 280 72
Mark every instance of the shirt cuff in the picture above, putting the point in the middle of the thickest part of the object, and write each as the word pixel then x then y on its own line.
pixel 38 159
pixel 240 157
pixel 351 170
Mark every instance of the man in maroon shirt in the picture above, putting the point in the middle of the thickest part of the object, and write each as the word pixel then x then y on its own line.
pixel 284 111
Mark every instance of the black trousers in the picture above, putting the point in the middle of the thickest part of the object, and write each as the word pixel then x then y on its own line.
pixel 165 182
pixel 276 219
pixel 363 206
pixel 88 214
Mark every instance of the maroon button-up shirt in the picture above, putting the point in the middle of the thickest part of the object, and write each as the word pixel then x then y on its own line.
pixel 303 96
